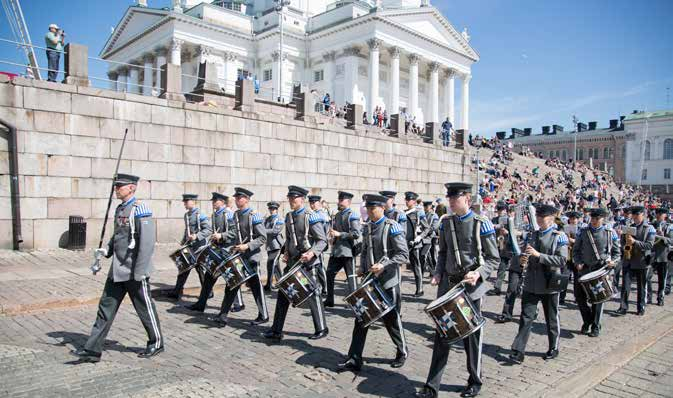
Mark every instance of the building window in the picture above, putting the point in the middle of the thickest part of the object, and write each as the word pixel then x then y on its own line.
pixel 667 174
pixel 624 152
pixel 558 154
pixel 340 70
pixel 362 71
pixel 551 154
pixel 644 175
pixel 606 153
pixel 580 154
pixel 647 150
pixel 668 148
pixel 611 170
pixel 318 75
pixel 242 74
pixel 267 75
pixel 564 155
pixel 611 153
pixel 596 153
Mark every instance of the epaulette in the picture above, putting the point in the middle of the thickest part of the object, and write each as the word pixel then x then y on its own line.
pixel 314 217
pixel 141 210
pixel 395 227
pixel 256 218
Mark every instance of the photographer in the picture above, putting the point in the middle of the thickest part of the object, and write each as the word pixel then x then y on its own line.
pixel 54 39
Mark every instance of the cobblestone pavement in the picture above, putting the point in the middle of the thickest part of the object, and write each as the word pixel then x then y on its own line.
pixel 234 361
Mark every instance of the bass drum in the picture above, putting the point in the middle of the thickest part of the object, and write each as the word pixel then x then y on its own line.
pixel 455 315
pixel 369 302
pixel 598 286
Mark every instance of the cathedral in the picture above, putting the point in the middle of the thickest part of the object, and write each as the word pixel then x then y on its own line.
pixel 400 55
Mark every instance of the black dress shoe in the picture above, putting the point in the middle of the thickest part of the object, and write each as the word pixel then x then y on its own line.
pixel 319 335
pixel 471 391
pixel 419 294
pixel 350 364
pixel 517 357
pixel 621 311
pixel 640 312
pixel 218 320
pixel 238 308
pixel 660 303
pixel 426 392
pixel 328 304
pixel 258 321
pixel 595 332
pixel 399 361
pixel 173 295
pixel 271 335
pixel 551 354
pixel 585 328
pixel 196 307
pixel 150 352
pixel 86 355
pixel 494 292
pixel 649 301
pixel 503 319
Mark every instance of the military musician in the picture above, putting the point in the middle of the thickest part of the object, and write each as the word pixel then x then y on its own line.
pixel 274 226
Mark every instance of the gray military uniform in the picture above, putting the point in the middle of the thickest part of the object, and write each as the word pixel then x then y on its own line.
pixel 221 221
pixel 131 248
pixel 661 248
pixel 389 248
pixel 414 219
pixel 477 251
pixel 553 248
pixel 308 235
pixel 607 249
pixel 637 266
pixel 429 233
pixel 500 224
pixel 274 226
pixel 247 228
pixel 195 223
pixel 348 223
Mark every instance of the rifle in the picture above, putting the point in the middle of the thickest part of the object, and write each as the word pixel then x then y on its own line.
pixel 95 267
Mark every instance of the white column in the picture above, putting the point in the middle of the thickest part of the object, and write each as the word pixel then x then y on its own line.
pixel 449 95
pixel 112 76
pixel 434 92
pixel 351 77
pixel 329 72
pixel 465 116
pixel 413 84
pixel 176 50
pixel 160 61
pixel 374 55
pixel 147 74
pixel 177 6
pixel 275 75
pixel 122 80
pixel 395 80
pixel 134 79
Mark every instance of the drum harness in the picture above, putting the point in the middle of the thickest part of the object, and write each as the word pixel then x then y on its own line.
pixel 293 231
pixel 370 249
pixel 457 278
pixel 595 249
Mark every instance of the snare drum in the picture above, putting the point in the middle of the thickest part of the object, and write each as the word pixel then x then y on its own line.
pixel 211 259
pixel 184 258
pixel 455 315
pixel 598 286
pixel 369 302
pixel 296 285
pixel 235 271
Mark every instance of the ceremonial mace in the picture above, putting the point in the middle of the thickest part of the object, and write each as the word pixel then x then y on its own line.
pixel 95 267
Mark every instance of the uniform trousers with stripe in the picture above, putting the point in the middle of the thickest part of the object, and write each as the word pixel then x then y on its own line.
pixel 207 288
pixel 529 311
pixel 111 299
pixel 415 262
pixel 591 313
pixel 514 284
pixel 272 267
pixel 314 303
pixel 661 268
pixel 182 279
pixel 428 258
pixel 255 285
pixel 392 322
pixel 441 348
pixel 333 267
pixel 502 272
pixel 640 276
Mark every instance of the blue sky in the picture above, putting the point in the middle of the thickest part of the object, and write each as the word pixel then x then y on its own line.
pixel 541 60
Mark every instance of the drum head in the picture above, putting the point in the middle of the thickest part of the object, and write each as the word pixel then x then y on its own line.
pixel 288 274
pixel 594 275
pixel 451 294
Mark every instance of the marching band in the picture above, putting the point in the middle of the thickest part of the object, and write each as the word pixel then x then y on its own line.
pixel 537 249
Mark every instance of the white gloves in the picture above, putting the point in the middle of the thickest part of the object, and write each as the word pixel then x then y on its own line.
pixel 99 253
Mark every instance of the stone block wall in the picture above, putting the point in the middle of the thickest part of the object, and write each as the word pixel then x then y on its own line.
pixel 69 137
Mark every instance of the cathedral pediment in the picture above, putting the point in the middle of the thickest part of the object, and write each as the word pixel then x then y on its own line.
pixel 135 21
pixel 429 23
